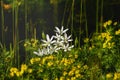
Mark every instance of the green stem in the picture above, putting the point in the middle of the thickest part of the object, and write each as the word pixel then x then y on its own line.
pixel 2 22
pixel 97 7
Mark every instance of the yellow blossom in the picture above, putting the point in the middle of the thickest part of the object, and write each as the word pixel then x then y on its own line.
pixel 64 73
pixel 30 70
pixel 14 70
pixel 115 23
pixel 116 76
pixel 18 74
pixel 117 32
pixel 109 75
pixel 62 78
pixel 11 74
pixel 32 60
pixel 78 66
pixel 76 56
pixel 23 67
pixel 85 67
pixel 50 64
pixel 56 78
pixel 86 40
pixel 73 78
pixel 77 71
pixel 109 22
pixel 71 73
pixel 78 75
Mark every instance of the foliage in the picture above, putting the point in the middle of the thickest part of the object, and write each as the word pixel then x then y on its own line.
pixel 97 58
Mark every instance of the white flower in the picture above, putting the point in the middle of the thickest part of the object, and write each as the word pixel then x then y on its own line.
pixel 66 38
pixel 39 53
pixel 58 37
pixel 67 47
pixel 49 41
pixel 60 31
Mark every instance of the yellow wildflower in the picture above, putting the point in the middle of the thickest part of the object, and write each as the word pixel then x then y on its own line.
pixel 32 60
pixel 73 78
pixel 56 78
pixel 62 78
pixel 71 73
pixel 14 70
pixel 76 56
pixel 77 71
pixel 117 32
pixel 11 74
pixel 109 75
pixel 86 40
pixel 78 75
pixel 30 70
pixel 85 67
pixel 64 73
pixel 18 74
pixel 50 64
pixel 109 22
pixel 115 23
pixel 23 67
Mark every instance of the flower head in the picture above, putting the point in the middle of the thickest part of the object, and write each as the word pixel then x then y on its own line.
pixel 49 41
pixel 60 31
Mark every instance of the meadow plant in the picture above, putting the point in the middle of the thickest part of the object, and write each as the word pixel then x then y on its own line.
pixel 60 41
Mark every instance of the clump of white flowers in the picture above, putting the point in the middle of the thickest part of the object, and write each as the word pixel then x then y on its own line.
pixel 59 41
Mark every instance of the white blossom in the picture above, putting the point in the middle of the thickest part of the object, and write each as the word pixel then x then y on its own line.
pixel 60 31
pixel 48 41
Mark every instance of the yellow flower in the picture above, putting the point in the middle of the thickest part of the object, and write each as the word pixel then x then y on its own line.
pixel 78 75
pixel 37 59
pixel 86 40
pixel 109 22
pixel 77 71
pixel 85 67
pixel 50 64
pixel 64 73
pixel 25 44
pixel 73 78
pixel 56 78
pixel 117 32
pixel 104 45
pixel 11 74
pixel 62 78
pixel 14 70
pixel 32 60
pixel 115 23
pixel 30 70
pixel 18 74
pixel 109 75
pixel 23 67
pixel 71 73
pixel 76 56
pixel 78 66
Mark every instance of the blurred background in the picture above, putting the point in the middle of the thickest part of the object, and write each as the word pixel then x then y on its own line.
pixel 24 19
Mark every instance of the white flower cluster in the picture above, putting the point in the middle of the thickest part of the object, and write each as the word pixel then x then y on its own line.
pixel 59 41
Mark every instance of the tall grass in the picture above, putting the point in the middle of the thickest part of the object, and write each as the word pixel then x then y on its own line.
pixel 2 22
pixel 15 31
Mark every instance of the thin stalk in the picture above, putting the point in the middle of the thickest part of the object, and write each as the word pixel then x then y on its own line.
pixel 81 7
pixel 97 7
pixel 101 16
pixel 2 22
pixel 26 25
pixel 17 33
pixel 86 26
pixel 56 12
pixel 72 16
pixel 64 12
pixel 13 27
